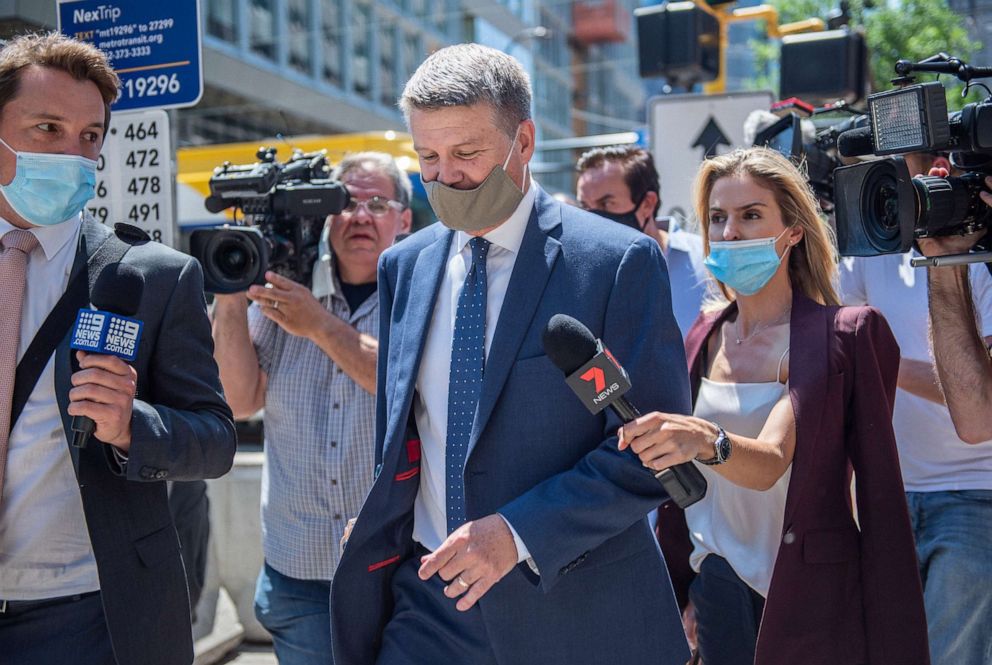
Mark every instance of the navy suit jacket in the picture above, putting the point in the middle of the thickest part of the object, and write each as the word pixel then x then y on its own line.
pixel 181 429
pixel 538 457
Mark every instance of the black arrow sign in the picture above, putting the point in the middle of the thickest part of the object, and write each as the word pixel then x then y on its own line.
pixel 710 138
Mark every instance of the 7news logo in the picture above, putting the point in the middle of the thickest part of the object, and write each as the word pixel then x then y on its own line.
pixel 597 377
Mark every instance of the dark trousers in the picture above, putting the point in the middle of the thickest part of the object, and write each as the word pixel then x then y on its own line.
pixel 190 510
pixel 65 630
pixel 425 627
pixel 728 613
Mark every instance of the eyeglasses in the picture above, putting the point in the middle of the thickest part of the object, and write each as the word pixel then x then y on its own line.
pixel 377 206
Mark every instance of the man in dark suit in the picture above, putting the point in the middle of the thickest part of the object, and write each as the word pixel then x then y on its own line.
pixel 90 568
pixel 504 525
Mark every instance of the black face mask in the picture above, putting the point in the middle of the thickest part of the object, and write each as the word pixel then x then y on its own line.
pixel 628 218
pixel 625 218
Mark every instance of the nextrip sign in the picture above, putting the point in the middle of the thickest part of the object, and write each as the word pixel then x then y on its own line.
pixel 154 47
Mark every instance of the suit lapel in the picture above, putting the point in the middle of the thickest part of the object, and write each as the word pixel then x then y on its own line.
pixel 531 270
pixel 809 361
pixel 91 236
pixel 425 282
pixel 696 340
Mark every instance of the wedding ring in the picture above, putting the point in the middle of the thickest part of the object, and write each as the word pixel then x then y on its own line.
pixel 275 304
pixel 462 582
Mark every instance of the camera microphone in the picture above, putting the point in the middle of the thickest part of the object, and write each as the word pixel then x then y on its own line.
pixel 600 381
pixel 215 204
pixel 108 329
pixel 856 142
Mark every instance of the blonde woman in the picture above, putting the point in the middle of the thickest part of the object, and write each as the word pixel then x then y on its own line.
pixel 789 391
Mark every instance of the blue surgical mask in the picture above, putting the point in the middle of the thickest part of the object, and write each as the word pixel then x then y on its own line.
pixel 49 188
pixel 744 265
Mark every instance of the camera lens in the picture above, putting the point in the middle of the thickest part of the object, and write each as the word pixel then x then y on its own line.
pixel 880 208
pixel 233 259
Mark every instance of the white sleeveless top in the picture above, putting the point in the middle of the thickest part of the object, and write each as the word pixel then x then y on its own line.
pixel 743 526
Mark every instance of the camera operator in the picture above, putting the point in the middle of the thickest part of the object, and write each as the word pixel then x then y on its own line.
pixel 961 355
pixel 309 356
pixel 947 483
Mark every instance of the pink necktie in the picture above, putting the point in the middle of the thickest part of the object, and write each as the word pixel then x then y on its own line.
pixel 16 244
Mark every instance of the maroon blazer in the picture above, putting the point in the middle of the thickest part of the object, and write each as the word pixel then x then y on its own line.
pixel 839 595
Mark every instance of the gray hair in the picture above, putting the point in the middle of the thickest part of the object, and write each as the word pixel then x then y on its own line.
pixel 469 74
pixel 379 162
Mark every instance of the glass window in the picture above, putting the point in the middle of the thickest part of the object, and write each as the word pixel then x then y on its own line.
pixel 330 19
pixel 221 19
pixel 420 9
pixel 413 54
pixel 298 29
pixel 439 14
pixel 262 26
pixel 553 97
pixel 362 40
pixel 387 61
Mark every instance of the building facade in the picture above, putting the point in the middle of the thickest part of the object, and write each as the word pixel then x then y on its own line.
pixel 296 67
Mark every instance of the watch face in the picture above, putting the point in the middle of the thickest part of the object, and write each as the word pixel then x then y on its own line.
pixel 724 447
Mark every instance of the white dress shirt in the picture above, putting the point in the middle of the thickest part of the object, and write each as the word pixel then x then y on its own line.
pixel 430 406
pixel 45 549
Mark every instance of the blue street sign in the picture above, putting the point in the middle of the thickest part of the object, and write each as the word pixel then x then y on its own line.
pixel 153 46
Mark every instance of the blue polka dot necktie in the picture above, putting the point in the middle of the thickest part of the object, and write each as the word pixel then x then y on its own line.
pixel 468 358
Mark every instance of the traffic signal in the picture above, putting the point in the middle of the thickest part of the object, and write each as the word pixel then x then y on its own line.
pixel 679 41
pixel 822 67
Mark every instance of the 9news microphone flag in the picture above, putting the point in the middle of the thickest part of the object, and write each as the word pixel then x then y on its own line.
pixel 108 329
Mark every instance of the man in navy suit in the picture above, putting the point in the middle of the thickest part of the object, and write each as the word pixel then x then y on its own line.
pixel 504 525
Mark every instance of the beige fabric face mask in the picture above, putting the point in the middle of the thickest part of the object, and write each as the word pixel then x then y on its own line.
pixel 485 206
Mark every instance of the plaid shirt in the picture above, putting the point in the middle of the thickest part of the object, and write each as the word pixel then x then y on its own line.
pixel 319 439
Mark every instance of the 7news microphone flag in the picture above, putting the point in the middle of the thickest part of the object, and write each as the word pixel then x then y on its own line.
pixel 599 381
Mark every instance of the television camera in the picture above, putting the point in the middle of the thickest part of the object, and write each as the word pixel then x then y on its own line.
pixel 283 209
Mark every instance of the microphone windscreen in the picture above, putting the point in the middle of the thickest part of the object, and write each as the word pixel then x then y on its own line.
pixel 856 142
pixel 568 343
pixel 118 289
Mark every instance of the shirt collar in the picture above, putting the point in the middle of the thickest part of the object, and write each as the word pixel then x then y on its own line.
pixel 51 238
pixel 510 234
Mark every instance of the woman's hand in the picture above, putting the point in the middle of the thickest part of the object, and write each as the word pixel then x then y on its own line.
pixel 662 440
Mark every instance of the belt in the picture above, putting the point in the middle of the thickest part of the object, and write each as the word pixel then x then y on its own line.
pixel 10 608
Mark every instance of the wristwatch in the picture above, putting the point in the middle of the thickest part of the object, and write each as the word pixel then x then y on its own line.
pixel 721 448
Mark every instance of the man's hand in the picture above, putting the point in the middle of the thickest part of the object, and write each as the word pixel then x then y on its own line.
pixel 474 557
pixel 103 389
pixel 292 306
pixel 944 245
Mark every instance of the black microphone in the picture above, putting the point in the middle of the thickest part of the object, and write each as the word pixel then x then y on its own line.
pixel 108 329
pixel 216 204
pixel 600 381
pixel 856 142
